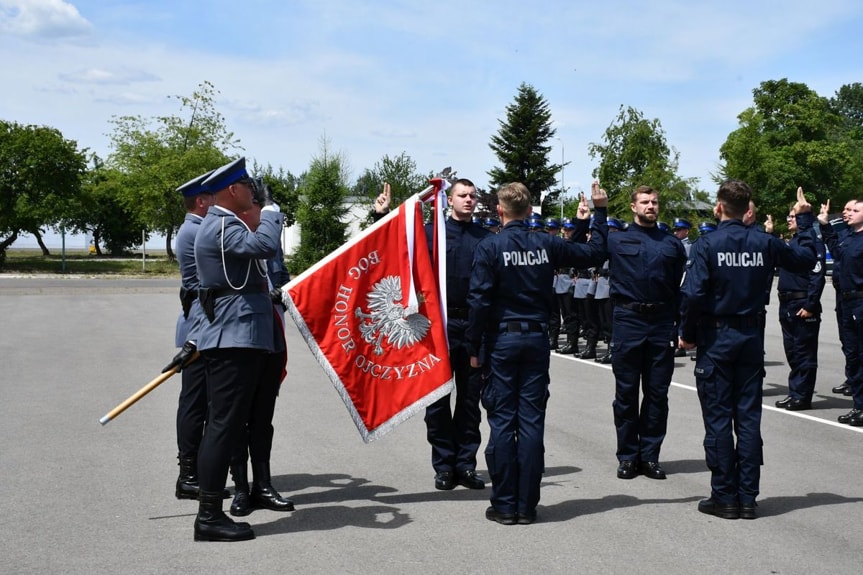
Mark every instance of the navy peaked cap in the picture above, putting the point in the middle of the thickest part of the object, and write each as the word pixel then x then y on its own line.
pixel 195 186
pixel 681 223
pixel 230 173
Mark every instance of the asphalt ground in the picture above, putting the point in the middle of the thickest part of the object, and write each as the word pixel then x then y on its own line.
pixel 81 498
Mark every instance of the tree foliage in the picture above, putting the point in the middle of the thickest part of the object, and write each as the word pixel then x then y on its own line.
pixel 793 137
pixel 400 172
pixel 157 155
pixel 635 152
pixel 40 172
pixel 521 145
pixel 321 210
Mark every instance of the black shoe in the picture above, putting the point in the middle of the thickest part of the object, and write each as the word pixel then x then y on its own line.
pixel 848 392
pixel 799 405
pixel 493 514
pixel 212 524
pixel 784 402
pixel 469 479
pixel 850 415
pixel 679 352
pixel 652 469
pixel 841 389
pixel 857 420
pixel 589 352
pixel 627 470
pixel 526 518
pixel 605 359
pixel 568 349
pixel 747 510
pixel 443 480
pixel 721 510
pixel 242 504
pixel 265 497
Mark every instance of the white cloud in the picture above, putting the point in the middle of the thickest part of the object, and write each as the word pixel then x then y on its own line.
pixel 120 76
pixel 42 19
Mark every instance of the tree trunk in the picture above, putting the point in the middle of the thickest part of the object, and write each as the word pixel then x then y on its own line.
pixel 168 249
pixel 97 236
pixel 41 243
pixel 4 244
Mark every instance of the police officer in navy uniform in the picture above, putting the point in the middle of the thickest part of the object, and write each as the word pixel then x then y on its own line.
pixel 510 304
pixel 849 254
pixel 192 404
pixel 843 232
pixel 722 313
pixel 800 319
pixel 235 336
pixel 645 269
pixel 454 433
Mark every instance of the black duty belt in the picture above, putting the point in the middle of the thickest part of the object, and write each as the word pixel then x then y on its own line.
pixel 217 293
pixel 849 295
pixel 457 312
pixel 734 321
pixel 521 327
pixel 785 296
pixel 640 307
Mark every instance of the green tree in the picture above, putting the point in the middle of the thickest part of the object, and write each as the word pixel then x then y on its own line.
pixel 40 173
pixel 285 189
pixel 158 154
pixel 521 145
pixel 793 137
pixel 321 210
pixel 848 104
pixel 635 152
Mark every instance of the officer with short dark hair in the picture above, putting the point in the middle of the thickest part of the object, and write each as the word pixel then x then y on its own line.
pixel 800 319
pixel 192 404
pixel 722 313
pixel 645 268
pixel 454 433
pixel 510 303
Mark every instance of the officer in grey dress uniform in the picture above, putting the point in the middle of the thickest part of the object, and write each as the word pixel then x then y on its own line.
pixel 236 334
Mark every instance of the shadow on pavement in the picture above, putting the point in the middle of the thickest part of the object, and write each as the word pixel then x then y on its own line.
pixel 567 510
pixel 772 506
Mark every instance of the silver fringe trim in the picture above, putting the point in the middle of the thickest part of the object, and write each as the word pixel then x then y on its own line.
pixel 390 424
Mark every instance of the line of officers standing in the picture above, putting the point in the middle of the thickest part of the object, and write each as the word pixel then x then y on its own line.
pixel 665 295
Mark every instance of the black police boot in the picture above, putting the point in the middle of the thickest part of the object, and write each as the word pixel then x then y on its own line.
pixel 187 482
pixel 589 350
pixel 571 346
pixel 263 494
pixel 605 359
pixel 242 503
pixel 212 524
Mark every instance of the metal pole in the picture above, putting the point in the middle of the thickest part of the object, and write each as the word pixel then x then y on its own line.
pixel 143 250
pixel 562 186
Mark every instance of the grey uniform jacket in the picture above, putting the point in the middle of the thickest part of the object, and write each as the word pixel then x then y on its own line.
pixel 244 313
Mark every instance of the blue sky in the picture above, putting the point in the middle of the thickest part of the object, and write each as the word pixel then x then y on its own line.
pixel 431 79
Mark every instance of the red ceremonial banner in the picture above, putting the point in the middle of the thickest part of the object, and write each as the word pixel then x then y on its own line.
pixel 371 314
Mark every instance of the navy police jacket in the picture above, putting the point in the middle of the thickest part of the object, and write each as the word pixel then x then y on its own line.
pixel 810 282
pixel 513 272
pixel 729 271
pixel 228 257
pixel 461 241
pixel 847 250
pixel 646 266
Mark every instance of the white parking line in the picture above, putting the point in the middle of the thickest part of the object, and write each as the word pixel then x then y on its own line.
pixel 763 405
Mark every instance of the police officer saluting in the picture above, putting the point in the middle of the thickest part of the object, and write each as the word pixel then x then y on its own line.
pixel 722 312
pixel 235 335
pixel 510 304
pixel 645 268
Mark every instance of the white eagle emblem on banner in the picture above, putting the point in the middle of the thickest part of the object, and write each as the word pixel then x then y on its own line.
pixel 402 326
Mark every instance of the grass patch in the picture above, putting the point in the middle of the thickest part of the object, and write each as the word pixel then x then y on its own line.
pixel 79 262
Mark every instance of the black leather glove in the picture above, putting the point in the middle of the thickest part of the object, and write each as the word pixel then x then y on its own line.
pixel 276 296
pixel 182 358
